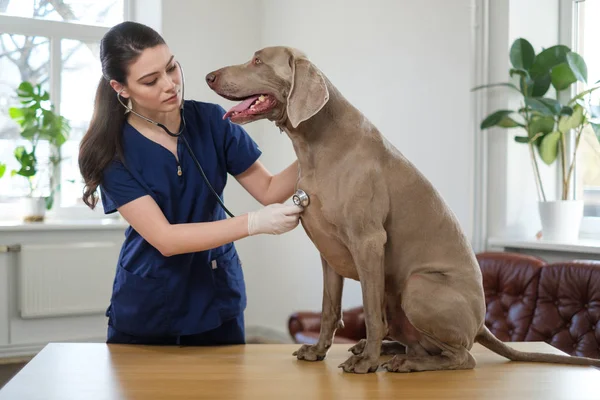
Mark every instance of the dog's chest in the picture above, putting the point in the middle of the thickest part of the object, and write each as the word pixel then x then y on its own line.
pixel 320 221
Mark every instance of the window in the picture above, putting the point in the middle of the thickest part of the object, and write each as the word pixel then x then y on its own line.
pixel 587 32
pixel 54 43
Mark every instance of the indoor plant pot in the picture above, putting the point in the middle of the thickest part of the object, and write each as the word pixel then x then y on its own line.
pixel 561 219
pixel 33 208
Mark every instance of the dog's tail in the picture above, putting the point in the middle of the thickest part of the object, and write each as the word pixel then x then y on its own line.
pixel 488 340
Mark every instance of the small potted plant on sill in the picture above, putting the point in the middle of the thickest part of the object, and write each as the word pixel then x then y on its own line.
pixel 547 125
pixel 38 122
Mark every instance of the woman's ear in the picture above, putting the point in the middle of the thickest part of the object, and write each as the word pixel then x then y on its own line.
pixel 119 88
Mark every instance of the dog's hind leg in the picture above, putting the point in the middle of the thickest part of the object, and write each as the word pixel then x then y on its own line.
pixel 447 320
pixel 459 358
pixel 331 316
pixel 388 347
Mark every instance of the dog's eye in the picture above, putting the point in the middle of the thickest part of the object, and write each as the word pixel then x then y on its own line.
pixel 257 61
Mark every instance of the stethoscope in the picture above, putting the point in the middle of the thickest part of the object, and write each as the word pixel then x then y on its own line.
pixel 300 198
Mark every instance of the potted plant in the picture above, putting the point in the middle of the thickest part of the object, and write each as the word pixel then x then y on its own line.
pixel 550 125
pixel 38 122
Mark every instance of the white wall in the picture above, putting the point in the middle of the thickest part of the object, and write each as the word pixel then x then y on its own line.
pixel 405 64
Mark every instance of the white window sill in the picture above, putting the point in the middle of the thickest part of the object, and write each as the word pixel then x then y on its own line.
pixel 64 224
pixel 583 245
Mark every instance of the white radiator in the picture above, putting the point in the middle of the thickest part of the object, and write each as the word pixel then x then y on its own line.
pixel 65 279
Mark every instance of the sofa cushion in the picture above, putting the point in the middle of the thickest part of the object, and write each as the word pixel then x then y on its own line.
pixel 304 326
pixel 510 283
pixel 567 313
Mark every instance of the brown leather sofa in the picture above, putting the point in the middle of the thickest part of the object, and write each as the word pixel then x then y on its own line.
pixel 527 300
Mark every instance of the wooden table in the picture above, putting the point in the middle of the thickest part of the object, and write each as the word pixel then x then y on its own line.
pixel 98 371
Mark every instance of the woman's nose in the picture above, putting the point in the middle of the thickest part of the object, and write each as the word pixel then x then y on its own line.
pixel 170 84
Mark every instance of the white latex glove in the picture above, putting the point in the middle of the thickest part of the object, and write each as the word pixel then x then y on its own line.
pixel 274 219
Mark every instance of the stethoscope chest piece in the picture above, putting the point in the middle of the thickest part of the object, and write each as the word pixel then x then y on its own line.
pixel 300 198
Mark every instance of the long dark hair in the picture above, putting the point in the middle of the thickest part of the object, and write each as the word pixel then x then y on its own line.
pixel 102 142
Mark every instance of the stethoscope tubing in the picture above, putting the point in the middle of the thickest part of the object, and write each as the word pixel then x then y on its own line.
pixel 179 135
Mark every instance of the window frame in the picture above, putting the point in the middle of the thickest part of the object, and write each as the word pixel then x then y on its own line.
pixel 570 34
pixel 56 31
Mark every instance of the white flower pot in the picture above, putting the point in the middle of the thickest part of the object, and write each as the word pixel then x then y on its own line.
pixel 33 209
pixel 561 219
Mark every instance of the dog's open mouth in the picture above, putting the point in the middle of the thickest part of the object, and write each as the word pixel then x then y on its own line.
pixel 253 105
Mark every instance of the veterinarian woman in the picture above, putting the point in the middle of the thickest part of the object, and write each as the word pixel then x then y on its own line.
pixel 178 279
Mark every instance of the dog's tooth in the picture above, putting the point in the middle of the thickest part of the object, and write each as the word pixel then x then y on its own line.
pixel 252 107
pixel 261 98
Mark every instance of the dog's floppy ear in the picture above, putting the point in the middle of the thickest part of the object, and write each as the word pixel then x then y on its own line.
pixel 308 93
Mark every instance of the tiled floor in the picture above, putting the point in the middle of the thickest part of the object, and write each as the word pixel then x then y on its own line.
pixel 7 371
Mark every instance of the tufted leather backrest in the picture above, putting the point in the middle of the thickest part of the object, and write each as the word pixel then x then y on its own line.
pixel 510 282
pixel 567 313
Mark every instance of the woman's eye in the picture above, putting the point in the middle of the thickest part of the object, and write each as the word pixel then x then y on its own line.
pixel 150 83
pixel 171 68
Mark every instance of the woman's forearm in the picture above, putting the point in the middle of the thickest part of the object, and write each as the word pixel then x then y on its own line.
pixel 282 185
pixel 194 237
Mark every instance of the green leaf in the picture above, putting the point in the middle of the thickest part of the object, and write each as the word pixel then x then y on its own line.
pixel 562 76
pixel 566 110
pixel 549 147
pixel 49 201
pixel 19 151
pixel 27 160
pixel 499 118
pixel 541 84
pixel 568 122
pixel 522 54
pixel 544 105
pixel 26 172
pixel 59 139
pixel 539 124
pixel 2 169
pixel 29 133
pixel 25 89
pixel 521 139
pixel 15 113
pixel 578 66
pixel 518 71
pixel 548 59
pixel 48 117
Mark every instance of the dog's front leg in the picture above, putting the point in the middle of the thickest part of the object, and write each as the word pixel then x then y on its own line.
pixel 331 316
pixel 368 254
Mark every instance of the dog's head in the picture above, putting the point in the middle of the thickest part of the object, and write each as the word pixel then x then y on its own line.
pixel 278 83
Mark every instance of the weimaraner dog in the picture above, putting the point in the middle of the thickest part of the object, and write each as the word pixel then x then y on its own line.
pixel 374 218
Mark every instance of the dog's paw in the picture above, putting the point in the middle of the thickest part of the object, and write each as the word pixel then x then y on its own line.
pixel 360 364
pixel 358 347
pixel 310 353
pixel 398 363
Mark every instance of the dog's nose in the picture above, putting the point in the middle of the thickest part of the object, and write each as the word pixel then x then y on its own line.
pixel 211 77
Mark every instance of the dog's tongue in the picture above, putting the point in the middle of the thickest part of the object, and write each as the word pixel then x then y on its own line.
pixel 240 107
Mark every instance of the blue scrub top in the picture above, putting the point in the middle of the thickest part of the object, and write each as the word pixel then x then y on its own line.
pixel 184 294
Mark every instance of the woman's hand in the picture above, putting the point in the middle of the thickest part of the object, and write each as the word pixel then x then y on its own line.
pixel 274 219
